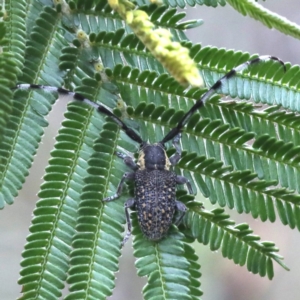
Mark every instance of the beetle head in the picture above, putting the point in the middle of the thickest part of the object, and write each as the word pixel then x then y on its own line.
pixel 153 157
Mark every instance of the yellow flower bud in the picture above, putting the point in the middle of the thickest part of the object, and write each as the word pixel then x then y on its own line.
pixel 113 4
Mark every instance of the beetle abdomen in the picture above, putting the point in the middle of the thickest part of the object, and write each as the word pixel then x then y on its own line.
pixel 155 201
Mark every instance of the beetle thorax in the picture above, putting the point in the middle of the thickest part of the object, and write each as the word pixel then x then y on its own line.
pixel 153 157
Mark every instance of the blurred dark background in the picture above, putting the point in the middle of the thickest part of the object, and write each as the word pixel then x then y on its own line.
pixel 222 280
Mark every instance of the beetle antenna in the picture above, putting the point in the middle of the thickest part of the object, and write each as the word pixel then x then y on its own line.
pixel 99 107
pixel 200 103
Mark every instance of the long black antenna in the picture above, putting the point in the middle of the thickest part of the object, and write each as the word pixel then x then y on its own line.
pixel 99 107
pixel 176 130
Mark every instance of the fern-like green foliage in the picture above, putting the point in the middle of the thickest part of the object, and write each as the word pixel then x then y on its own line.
pixel 238 154
pixel 268 18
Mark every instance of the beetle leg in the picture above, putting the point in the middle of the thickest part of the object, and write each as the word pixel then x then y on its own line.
pixel 130 203
pixel 183 180
pixel 176 157
pixel 128 160
pixel 182 209
pixel 120 186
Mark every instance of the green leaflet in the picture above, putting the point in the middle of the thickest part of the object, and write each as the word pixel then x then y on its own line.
pixel 24 130
pixel 154 260
pixel 266 17
pixel 236 242
pixel 58 204
pixel 15 30
pixel 96 245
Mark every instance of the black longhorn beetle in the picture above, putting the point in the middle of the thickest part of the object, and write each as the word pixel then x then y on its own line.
pixel 155 184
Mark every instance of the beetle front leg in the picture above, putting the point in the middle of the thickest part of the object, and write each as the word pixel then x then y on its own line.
pixel 128 160
pixel 120 187
pixel 130 203
pixel 183 180
pixel 174 159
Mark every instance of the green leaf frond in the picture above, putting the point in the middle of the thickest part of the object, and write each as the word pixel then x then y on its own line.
pixel 15 18
pixel 53 224
pixel 96 244
pixel 10 63
pixel 242 191
pixel 265 83
pixel 25 127
pixel 155 260
pixel 194 270
pixel 43 50
pixel 184 3
pixel 237 242
pixel 21 139
pixel 12 44
pixel 245 7
pixel 265 16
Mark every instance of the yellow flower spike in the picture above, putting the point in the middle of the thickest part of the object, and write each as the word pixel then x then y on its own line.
pixel 148 35
pixel 128 4
pixel 129 17
pixel 161 43
pixel 145 29
pixel 177 46
pixel 122 10
pixel 172 55
pixel 141 13
pixel 140 23
pixel 114 4
pixel 160 51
